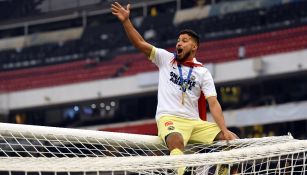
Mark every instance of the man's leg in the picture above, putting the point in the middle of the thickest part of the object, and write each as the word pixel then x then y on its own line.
pixel 175 132
pixel 174 141
pixel 175 144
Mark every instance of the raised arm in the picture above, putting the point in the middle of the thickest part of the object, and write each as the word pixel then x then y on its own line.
pixel 217 114
pixel 133 35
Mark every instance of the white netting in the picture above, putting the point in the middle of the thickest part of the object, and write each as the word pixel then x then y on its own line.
pixel 46 149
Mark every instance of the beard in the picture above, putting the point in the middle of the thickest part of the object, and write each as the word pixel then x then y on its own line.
pixel 185 57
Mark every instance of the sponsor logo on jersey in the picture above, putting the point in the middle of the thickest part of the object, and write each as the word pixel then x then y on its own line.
pixel 168 123
pixel 175 78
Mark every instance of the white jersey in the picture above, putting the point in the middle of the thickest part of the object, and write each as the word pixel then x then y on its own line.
pixel 169 89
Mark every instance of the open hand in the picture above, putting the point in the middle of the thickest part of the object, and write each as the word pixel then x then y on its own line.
pixel 121 12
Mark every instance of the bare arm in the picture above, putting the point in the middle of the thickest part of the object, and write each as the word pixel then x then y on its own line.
pixel 133 35
pixel 217 114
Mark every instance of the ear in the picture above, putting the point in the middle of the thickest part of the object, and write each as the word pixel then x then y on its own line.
pixel 194 47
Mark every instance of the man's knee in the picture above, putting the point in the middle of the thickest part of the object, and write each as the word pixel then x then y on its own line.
pixel 174 140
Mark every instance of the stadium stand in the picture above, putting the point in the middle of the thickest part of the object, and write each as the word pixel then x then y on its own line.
pixel 99 49
pixel 213 49
pixel 110 37
pixel 256 45
pixel 68 73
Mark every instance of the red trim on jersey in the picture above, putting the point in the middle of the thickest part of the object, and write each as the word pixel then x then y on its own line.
pixel 187 63
pixel 202 107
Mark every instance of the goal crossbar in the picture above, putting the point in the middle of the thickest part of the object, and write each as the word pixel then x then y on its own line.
pixel 30 148
pixel 49 133
pixel 45 132
pixel 137 163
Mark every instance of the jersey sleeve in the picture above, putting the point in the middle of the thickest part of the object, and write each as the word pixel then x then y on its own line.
pixel 207 86
pixel 160 57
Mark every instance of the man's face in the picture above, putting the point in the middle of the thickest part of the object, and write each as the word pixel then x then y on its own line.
pixel 185 47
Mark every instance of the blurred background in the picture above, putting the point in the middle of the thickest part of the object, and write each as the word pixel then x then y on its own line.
pixel 68 63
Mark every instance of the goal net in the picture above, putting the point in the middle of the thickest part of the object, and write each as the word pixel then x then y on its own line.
pixel 26 149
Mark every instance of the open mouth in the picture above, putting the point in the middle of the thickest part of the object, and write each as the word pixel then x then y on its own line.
pixel 179 50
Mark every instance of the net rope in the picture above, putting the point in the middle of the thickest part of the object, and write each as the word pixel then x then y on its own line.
pixel 47 149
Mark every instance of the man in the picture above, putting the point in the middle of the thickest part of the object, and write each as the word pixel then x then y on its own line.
pixel 181 80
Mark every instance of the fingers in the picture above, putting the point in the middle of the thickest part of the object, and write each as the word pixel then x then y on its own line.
pixel 115 13
pixel 117 5
pixel 230 136
pixel 234 135
pixel 128 7
pixel 115 8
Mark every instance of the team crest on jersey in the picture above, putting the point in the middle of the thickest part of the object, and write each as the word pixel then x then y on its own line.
pixel 170 128
pixel 168 123
pixel 193 78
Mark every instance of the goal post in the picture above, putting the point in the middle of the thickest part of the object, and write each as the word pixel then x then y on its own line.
pixel 26 148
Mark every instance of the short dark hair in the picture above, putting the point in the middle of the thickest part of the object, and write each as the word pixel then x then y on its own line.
pixel 191 33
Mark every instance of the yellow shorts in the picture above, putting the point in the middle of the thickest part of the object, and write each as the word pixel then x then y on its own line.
pixel 193 131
